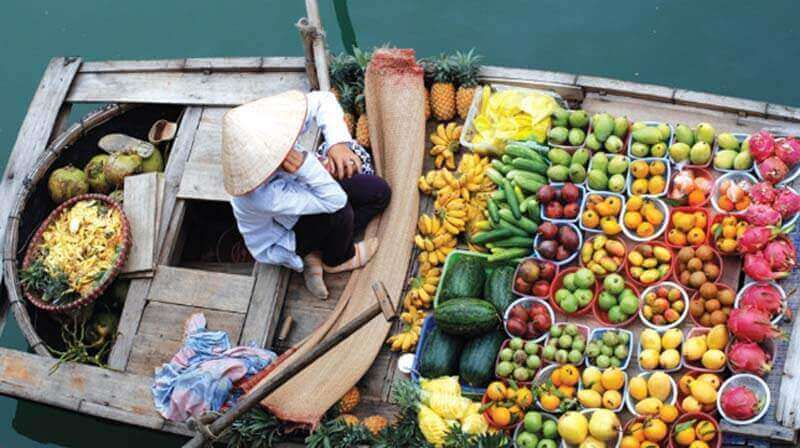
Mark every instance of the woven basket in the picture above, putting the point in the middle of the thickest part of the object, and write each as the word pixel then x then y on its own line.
pixel 33 251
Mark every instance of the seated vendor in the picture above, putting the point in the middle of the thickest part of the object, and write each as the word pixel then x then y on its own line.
pixel 295 207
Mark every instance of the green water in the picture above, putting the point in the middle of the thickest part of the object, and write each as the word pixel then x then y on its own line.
pixel 731 48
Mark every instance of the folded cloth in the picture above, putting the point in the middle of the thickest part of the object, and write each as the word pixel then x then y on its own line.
pixel 200 377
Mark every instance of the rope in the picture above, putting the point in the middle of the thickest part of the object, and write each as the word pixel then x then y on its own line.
pixel 203 429
pixel 309 30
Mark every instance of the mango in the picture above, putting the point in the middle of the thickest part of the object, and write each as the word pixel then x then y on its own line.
pixel 694 347
pixel 597 180
pixel 600 161
pixel 615 248
pixel 658 150
pixel 637 387
pixel 578 119
pixel 591 376
pixel 713 359
pixel 684 134
pixel 669 359
pixel 717 337
pixel 700 153
pixel 639 149
pixel 704 132
pixel 637 125
pixel 724 159
pixel 664 130
pixel 576 136
pixel 590 398
pixel 635 258
pixel 621 126
pixel 560 118
pixel 649 135
pixel 649 406
pixel 672 338
pixel 650 340
pixel 558 173
pixel 662 254
pixel 659 386
pixel 648 359
pixel 559 156
pixel 599 242
pixel 603 126
pixel 581 156
pixel 711 379
pixel 679 151
pixel 613 144
pixel 728 141
pixel 743 161
pixel 558 135
pixel 703 392
pixel 573 427
pixel 586 252
pixel 592 142
pixel 577 173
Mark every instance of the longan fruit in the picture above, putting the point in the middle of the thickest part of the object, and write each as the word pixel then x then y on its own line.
pixel 684 277
pixel 705 320
pixel 718 317
pixel 725 297
pixel 695 264
pixel 685 254
pixel 708 290
pixel 697 308
pixel 712 305
pixel 711 270
pixel 704 252
pixel 697 279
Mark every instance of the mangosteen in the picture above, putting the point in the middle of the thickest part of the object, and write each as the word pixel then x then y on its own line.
pixel 548 248
pixel 546 194
pixel 570 194
pixel 568 238
pixel 548 230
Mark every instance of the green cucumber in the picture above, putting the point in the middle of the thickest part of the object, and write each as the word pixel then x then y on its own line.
pixel 476 366
pixel 439 354
pixel 529 165
pixel 514 241
pixel 466 316
pixel 492 235
pixel 521 222
pixel 501 254
pixel 503 224
pixel 506 159
pixel 501 167
pixel 491 208
pixel 517 150
pixel 495 176
pixel 511 199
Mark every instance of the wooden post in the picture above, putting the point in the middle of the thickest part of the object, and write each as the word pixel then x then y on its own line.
pixel 320 56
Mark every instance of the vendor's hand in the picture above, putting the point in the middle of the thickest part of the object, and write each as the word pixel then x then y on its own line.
pixel 294 159
pixel 343 161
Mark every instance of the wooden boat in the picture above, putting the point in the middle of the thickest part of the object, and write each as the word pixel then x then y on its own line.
pixel 259 299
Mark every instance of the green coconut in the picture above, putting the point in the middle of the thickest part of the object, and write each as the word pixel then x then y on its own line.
pixel 94 172
pixel 117 195
pixel 119 166
pixel 67 182
pixel 154 163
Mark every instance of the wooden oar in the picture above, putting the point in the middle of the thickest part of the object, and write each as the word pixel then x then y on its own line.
pixel 210 432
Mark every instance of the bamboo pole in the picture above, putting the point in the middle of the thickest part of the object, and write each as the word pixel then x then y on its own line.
pixel 318 45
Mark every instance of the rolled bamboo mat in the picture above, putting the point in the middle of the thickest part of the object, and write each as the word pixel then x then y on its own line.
pixel 395 104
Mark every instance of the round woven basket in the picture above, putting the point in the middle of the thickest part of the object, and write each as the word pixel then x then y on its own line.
pixel 33 251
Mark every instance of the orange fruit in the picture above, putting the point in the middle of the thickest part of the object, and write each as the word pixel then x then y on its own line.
pixel 555 377
pixel 524 398
pixel 657 168
pixel 629 442
pixel 725 203
pixel 590 219
pixel 696 236
pixel 654 216
pixel 496 391
pixel 636 430
pixel 700 219
pixel 669 412
pixel 569 375
pixel 696 198
pixel 500 416
pixel 567 391
pixel 676 237
pixel 656 185
pixel 655 430
pixel 549 401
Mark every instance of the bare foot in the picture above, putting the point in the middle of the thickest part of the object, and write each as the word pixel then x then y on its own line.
pixel 312 274
pixel 364 252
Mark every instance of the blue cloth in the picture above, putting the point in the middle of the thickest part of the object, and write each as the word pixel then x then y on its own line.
pixel 200 377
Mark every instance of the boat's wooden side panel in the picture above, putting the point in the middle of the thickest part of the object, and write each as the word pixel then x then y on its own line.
pixel 788 406
pixel 34 134
pixel 82 388
pixel 225 88
pixel 266 304
pixel 274 63
pixel 211 290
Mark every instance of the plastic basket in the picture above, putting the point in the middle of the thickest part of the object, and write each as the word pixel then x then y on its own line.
pixel 631 405
pixel 676 273
pixel 697 366
pixel 597 333
pixel 716 442
pixel 559 282
pixel 526 302
pixel 791 175
pixel 538 261
pixel 734 176
pixel 698 172
pixel 583 330
pixel 604 194
pixel 778 317
pixel 542 377
pixel 621 393
pixel 708 409
pixel 625 174
pixel 602 316
pixel 757 385
pixel 621 267
pixel 628 266
pixel 769 347
pixel 684 297
pixel 651 124
pixel 558 262
pixel 667 177
pixel 659 368
pixel 571 148
pixel 631 233
pixel 497 361
pixel 521 425
pixel 564 220
pixel 720 286
pixel 692 210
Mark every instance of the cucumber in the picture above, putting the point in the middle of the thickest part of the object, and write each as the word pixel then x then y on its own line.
pixel 495 176
pixel 501 254
pixel 476 366
pixel 501 167
pixel 529 165
pixel 491 208
pixel 517 150
pixel 497 288
pixel 464 278
pixel 514 241
pixel 522 222
pixel 466 316
pixel 511 199
pixel 506 159
pixel 498 196
pixel 492 235
pixel 439 354
pixel 514 229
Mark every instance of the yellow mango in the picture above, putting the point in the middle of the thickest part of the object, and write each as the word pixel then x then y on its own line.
pixel 703 392
pixel 637 387
pixel 649 406
pixel 717 337
pixel 659 386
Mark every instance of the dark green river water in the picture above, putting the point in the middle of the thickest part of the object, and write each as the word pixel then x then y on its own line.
pixel 745 49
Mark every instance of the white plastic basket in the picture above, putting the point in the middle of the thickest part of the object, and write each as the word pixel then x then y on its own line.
pixel 609 444
pixel 597 333
pixel 668 142
pixel 667 178
pixel 673 396
pixel 659 369
pixel 609 155
pixel 658 232
pixel 775 320
pixel 791 175
pixel 757 385
pixel 526 301
pixel 604 194
pixel 621 392
pixel 680 320
pixel 734 176
pixel 739 136
pixel 566 260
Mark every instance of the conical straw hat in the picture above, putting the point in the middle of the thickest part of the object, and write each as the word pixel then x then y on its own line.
pixel 256 138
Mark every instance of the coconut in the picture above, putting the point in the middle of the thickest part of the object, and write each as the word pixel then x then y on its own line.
pixel 154 163
pixel 117 195
pixel 67 182
pixel 121 165
pixel 94 172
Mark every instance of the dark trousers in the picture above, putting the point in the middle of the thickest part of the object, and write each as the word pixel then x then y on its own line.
pixel 332 233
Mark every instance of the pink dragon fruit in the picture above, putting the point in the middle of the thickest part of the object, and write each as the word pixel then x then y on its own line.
pixel 749 357
pixel 772 170
pixel 757 267
pixel 763 193
pixel 762 145
pixel 752 325
pixel 740 403
pixel 787 203
pixel 756 238
pixel 764 297
pixel 788 150
pixel 762 215
pixel 781 254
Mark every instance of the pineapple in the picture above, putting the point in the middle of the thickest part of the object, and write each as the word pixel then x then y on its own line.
pixel 467 76
pixel 443 92
pixel 348 103
pixel 349 419
pixel 362 125
pixel 349 400
pixel 344 69
pixel 375 423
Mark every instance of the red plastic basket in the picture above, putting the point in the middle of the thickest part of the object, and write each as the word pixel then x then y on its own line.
pixel 676 274
pixel 695 366
pixel 602 316
pixel 649 243
pixel 123 247
pixel 558 282
pixel 688 210
pixel 709 409
pixel 716 442
pixel 624 256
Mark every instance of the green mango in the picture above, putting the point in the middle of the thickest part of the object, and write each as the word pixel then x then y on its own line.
pixel 592 142
pixel 616 183
pixel 705 133
pixel 581 156
pixel 743 161
pixel 700 153
pixel 637 125
pixel 665 131
pixel 576 136
pixel 577 173
pixel 560 118
pixel 640 149
pixel 649 135
pixel 603 126
pixel 684 134
pixel 558 156
pixel 679 151
pixel 600 161
pixel 621 126
pixel 558 135
pixel 724 159
pixel 745 145
pixel 558 173
pixel 597 180
pixel 728 141
pixel 578 119
pixel 613 144
pixel 617 165
pixel 658 150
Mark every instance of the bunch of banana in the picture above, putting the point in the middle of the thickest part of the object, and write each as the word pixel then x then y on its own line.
pixel 435 180
pixel 445 145
pixel 422 288
pixel 407 338
pixel 433 241
pixel 452 210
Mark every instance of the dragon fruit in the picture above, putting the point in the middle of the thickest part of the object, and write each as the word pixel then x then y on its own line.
pixel 758 268
pixel 787 203
pixel 762 145
pixel 749 357
pixel 762 215
pixel 756 238
pixel 781 254
pixel 772 170
pixel 740 403
pixel 764 297
pixel 752 325
pixel 788 150
pixel 763 193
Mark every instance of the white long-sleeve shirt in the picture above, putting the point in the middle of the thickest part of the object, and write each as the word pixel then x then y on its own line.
pixel 266 215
